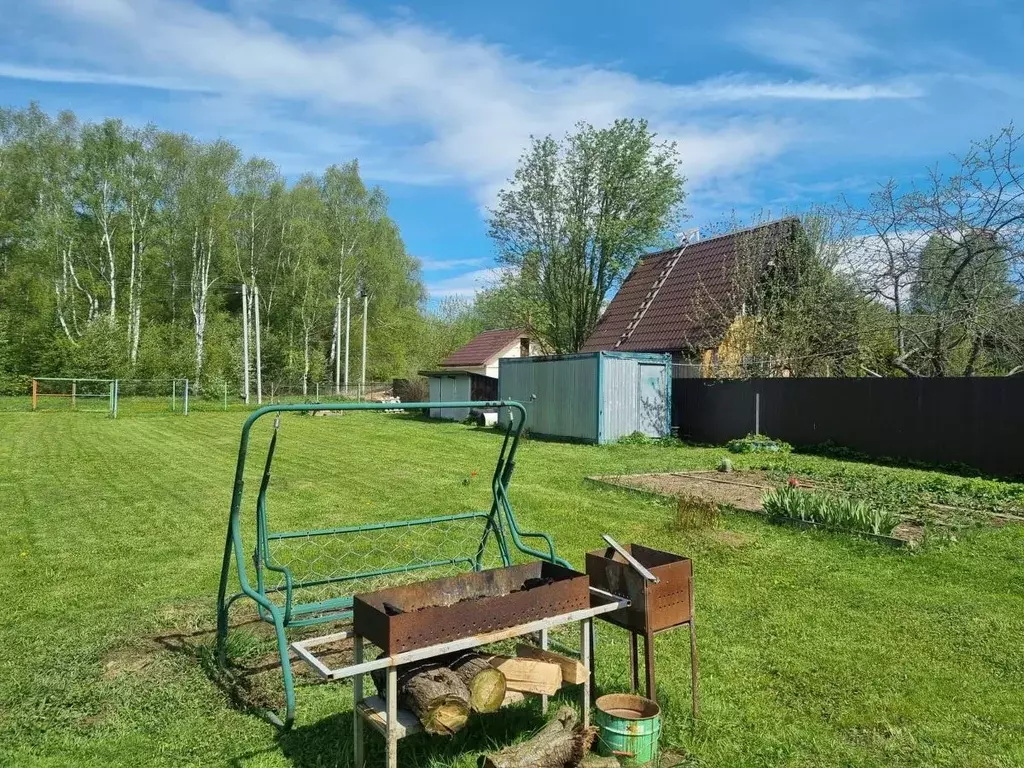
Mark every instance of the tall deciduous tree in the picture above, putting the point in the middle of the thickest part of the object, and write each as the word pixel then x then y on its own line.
pixel 947 255
pixel 577 215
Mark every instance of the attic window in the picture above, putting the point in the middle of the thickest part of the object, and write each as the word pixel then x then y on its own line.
pixel 524 347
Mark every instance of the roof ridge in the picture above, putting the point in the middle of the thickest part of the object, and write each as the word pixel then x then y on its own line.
pixel 702 240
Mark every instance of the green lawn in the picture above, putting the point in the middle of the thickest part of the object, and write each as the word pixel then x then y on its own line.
pixel 816 649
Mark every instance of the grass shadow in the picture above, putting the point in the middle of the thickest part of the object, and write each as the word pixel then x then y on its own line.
pixel 329 741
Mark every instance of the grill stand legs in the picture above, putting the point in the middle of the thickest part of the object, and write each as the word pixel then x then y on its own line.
pixel 651 690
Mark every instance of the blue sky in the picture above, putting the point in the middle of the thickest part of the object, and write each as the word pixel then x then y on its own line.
pixel 774 105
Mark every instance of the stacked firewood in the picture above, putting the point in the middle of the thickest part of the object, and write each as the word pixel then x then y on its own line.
pixel 443 691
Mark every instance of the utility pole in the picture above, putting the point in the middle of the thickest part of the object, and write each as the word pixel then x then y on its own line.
pixel 337 345
pixel 259 357
pixel 362 378
pixel 348 323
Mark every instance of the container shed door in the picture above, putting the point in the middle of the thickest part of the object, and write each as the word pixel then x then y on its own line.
pixel 652 404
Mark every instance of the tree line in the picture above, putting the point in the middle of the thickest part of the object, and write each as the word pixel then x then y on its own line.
pixel 138 253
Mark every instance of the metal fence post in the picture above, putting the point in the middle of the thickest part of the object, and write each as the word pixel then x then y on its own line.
pixel 757 413
pixel 225 395
pixel 184 400
pixel 114 390
pixel 174 393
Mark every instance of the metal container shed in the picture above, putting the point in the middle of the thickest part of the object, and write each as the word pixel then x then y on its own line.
pixel 457 386
pixel 595 397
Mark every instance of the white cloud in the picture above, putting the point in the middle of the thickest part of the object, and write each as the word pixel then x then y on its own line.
pixel 464 285
pixel 85 77
pixel 430 107
pixel 442 264
pixel 821 46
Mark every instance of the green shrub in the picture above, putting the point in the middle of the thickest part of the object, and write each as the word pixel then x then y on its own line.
pixel 14 384
pixel 639 438
pixel 832 511
pixel 754 443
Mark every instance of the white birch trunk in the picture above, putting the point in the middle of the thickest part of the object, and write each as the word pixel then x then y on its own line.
pixel 108 241
pixel 305 359
pixel 202 258
pixel 337 336
pixel 348 327
pixel 245 340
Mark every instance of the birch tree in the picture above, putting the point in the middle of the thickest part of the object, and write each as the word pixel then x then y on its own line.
pixel 102 199
pixel 254 185
pixel 141 190
pixel 348 208
pixel 307 241
pixel 208 207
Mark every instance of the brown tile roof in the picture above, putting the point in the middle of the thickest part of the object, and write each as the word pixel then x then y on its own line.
pixel 666 303
pixel 483 347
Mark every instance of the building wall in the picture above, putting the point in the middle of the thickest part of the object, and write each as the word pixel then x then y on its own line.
pixel 559 393
pixel 628 405
pixel 513 351
pixel 449 389
pixel 594 397
pixel 726 360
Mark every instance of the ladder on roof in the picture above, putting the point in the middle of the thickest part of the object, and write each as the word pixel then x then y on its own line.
pixel 666 270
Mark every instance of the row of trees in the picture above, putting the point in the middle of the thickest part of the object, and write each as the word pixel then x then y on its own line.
pixel 138 253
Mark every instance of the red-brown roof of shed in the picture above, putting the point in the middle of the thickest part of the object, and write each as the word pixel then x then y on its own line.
pixel 678 315
pixel 483 347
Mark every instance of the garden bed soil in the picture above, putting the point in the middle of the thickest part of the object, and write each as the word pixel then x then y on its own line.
pixel 741 490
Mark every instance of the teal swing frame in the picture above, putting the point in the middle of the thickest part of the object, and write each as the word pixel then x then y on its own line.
pixel 499 521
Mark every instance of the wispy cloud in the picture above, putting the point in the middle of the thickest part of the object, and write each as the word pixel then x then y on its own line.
pixel 743 88
pixel 438 265
pixel 436 108
pixel 464 285
pixel 86 77
pixel 819 45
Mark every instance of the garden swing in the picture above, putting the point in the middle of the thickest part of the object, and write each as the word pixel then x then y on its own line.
pixel 302 578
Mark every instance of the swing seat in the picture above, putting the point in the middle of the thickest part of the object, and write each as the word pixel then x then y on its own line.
pixel 302 578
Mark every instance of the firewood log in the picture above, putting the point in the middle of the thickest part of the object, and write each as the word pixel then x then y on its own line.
pixel 573 672
pixel 559 744
pixel 486 684
pixel 529 675
pixel 432 692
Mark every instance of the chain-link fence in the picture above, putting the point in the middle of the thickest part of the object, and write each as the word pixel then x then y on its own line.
pixel 136 397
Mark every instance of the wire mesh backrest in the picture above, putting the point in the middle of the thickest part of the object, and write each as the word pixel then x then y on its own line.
pixel 338 563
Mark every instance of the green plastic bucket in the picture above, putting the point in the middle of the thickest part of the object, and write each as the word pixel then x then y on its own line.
pixel 628 728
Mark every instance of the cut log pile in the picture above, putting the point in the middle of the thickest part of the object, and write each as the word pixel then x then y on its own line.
pixel 443 691
pixel 559 744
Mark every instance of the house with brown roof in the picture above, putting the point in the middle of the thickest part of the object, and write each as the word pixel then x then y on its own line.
pixel 482 353
pixel 692 300
pixel 471 371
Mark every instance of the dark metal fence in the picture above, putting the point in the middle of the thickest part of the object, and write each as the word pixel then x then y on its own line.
pixel 974 421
